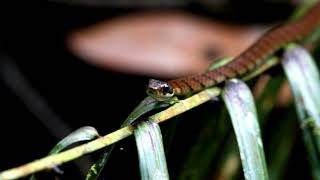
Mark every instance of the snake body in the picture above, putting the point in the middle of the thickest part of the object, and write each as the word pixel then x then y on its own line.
pixel 254 56
pixel 249 60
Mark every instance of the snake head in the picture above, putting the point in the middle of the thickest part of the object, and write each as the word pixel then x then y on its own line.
pixel 159 90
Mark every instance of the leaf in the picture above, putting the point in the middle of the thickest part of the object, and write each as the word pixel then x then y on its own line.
pixel 147 105
pixel 241 107
pixel 82 134
pixel 152 158
pixel 304 80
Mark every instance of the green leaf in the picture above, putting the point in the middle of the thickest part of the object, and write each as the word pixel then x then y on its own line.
pixel 147 105
pixel 152 158
pixel 304 80
pixel 241 107
pixel 98 166
pixel 82 134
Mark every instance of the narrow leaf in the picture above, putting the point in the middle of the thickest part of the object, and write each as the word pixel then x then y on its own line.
pixel 98 166
pixel 304 81
pixel 152 159
pixel 147 105
pixel 241 107
pixel 82 134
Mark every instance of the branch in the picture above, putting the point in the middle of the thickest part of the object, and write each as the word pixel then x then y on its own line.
pixel 74 153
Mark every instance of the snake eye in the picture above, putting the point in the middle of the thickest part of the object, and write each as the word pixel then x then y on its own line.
pixel 166 89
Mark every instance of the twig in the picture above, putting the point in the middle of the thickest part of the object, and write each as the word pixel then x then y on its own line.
pixel 71 154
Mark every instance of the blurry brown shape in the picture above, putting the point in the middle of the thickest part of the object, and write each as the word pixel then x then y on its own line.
pixel 260 86
pixel 159 44
pixel 284 97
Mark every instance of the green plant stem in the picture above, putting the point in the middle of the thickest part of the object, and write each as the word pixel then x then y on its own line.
pixel 68 155
pixel 74 153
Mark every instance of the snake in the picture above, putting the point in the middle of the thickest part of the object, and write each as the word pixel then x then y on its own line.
pixel 275 39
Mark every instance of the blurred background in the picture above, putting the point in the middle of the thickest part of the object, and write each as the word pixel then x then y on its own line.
pixel 68 64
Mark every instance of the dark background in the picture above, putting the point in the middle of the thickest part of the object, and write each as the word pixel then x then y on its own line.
pixel 33 38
